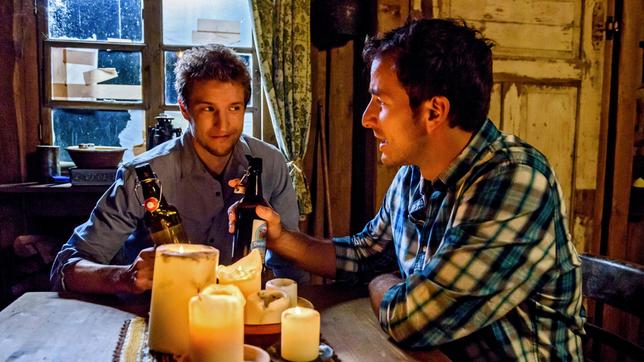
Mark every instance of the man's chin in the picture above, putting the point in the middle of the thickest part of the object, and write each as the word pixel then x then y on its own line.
pixel 386 161
pixel 220 151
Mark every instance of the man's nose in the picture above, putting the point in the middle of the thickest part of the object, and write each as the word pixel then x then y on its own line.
pixel 219 119
pixel 369 116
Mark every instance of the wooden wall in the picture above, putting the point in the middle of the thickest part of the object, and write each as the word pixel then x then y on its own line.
pixel 19 98
pixel 540 81
pixel 19 105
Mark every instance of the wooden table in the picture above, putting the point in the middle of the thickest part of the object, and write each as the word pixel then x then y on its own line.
pixel 48 326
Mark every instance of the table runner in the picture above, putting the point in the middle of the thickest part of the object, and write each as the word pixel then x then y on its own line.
pixel 132 346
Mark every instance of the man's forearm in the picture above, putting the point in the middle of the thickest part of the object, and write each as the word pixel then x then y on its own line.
pixel 89 277
pixel 314 255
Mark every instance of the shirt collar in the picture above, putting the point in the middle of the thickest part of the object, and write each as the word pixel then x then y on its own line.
pixel 468 156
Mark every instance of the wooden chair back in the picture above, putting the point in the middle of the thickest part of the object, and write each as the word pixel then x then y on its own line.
pixel 620 285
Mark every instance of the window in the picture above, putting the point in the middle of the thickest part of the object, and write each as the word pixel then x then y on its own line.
pixel 108 65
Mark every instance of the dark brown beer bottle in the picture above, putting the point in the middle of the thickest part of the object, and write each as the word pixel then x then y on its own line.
pixel 161 218
pixel 250 230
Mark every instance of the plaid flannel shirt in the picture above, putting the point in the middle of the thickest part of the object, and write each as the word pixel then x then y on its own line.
pixel 485 254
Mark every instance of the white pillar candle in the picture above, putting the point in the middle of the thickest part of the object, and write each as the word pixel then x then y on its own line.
pixel 288 286
pixel 217 326
pixel 300 334
pixel 180 272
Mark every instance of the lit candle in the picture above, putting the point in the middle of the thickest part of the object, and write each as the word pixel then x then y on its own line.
pixel 180 272
pixel 300 334
pixel 246 273
pixel 217 325
pixel 288 286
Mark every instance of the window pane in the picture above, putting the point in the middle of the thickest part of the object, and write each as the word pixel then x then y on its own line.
pixel 171 93
pixel 94 75
pixel 201 22
pixel 103 128
pixel 118 20
pixel 182 123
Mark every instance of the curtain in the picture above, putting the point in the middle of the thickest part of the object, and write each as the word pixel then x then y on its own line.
pixel 282 38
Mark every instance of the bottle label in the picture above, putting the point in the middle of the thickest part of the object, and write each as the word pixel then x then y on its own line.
pixel 151 204
pixel 258 237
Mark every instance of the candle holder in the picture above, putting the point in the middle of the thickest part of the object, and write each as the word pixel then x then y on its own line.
pixel 288 286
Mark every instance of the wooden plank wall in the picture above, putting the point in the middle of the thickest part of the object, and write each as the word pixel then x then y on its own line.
pixel 333 69
pixel 629 80
pixel 19 111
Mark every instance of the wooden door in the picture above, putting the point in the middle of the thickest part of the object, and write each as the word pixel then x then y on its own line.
pixel 548 71
pixel 548 87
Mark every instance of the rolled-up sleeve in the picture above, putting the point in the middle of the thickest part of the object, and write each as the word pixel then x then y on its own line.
pixel 362 256
pixel 112 221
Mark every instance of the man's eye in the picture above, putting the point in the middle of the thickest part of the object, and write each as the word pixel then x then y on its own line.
pixel 236 108
pixel 208 109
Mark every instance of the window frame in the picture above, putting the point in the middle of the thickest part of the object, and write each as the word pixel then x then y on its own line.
pixel 152 52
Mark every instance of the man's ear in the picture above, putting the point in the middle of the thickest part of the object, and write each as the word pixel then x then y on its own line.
pixel 184 110
pixel 435 112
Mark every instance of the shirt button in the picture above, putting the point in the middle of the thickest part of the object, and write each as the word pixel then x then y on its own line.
pixel 218 193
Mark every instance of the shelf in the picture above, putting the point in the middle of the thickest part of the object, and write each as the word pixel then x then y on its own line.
pixel 34 187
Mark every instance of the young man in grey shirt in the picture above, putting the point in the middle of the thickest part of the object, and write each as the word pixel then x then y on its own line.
pixel 111 252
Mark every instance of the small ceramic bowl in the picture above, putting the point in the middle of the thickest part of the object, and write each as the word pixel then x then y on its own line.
pixel 85 156
pixel 255 354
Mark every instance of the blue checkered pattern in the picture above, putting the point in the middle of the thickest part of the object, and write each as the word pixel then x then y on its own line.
pixel 489 269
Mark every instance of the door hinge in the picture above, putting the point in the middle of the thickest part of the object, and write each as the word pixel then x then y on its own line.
pixel 611 27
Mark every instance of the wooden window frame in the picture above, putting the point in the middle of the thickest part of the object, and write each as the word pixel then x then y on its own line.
pixel 152 52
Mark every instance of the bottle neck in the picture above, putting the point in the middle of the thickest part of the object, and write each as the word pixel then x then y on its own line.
pixel 254 187
pixel 152 189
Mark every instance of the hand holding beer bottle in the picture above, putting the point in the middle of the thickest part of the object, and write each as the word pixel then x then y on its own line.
pixel 250 230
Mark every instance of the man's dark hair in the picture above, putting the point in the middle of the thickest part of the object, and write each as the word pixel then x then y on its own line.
pixel 210 62
pixel 440 57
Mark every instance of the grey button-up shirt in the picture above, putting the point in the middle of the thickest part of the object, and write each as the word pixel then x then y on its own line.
pixel 115 231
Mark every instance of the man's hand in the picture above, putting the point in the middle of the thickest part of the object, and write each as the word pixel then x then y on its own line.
pixel 89 277
pixel 138 276
pixel 272 218
pixel 378 287
pixel 313 255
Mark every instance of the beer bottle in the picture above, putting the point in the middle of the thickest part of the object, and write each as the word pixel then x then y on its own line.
pixel 250 230
pixel 161 218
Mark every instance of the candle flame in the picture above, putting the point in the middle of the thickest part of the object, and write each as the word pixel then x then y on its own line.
pixel 181 249
pixel 297 310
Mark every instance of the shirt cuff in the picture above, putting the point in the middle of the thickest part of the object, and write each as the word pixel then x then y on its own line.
pixel 61 281
pixel 346 267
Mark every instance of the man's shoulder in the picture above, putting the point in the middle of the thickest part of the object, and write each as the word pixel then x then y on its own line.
pixel 510 149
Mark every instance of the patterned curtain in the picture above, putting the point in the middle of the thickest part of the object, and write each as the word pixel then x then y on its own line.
pixel 282 38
